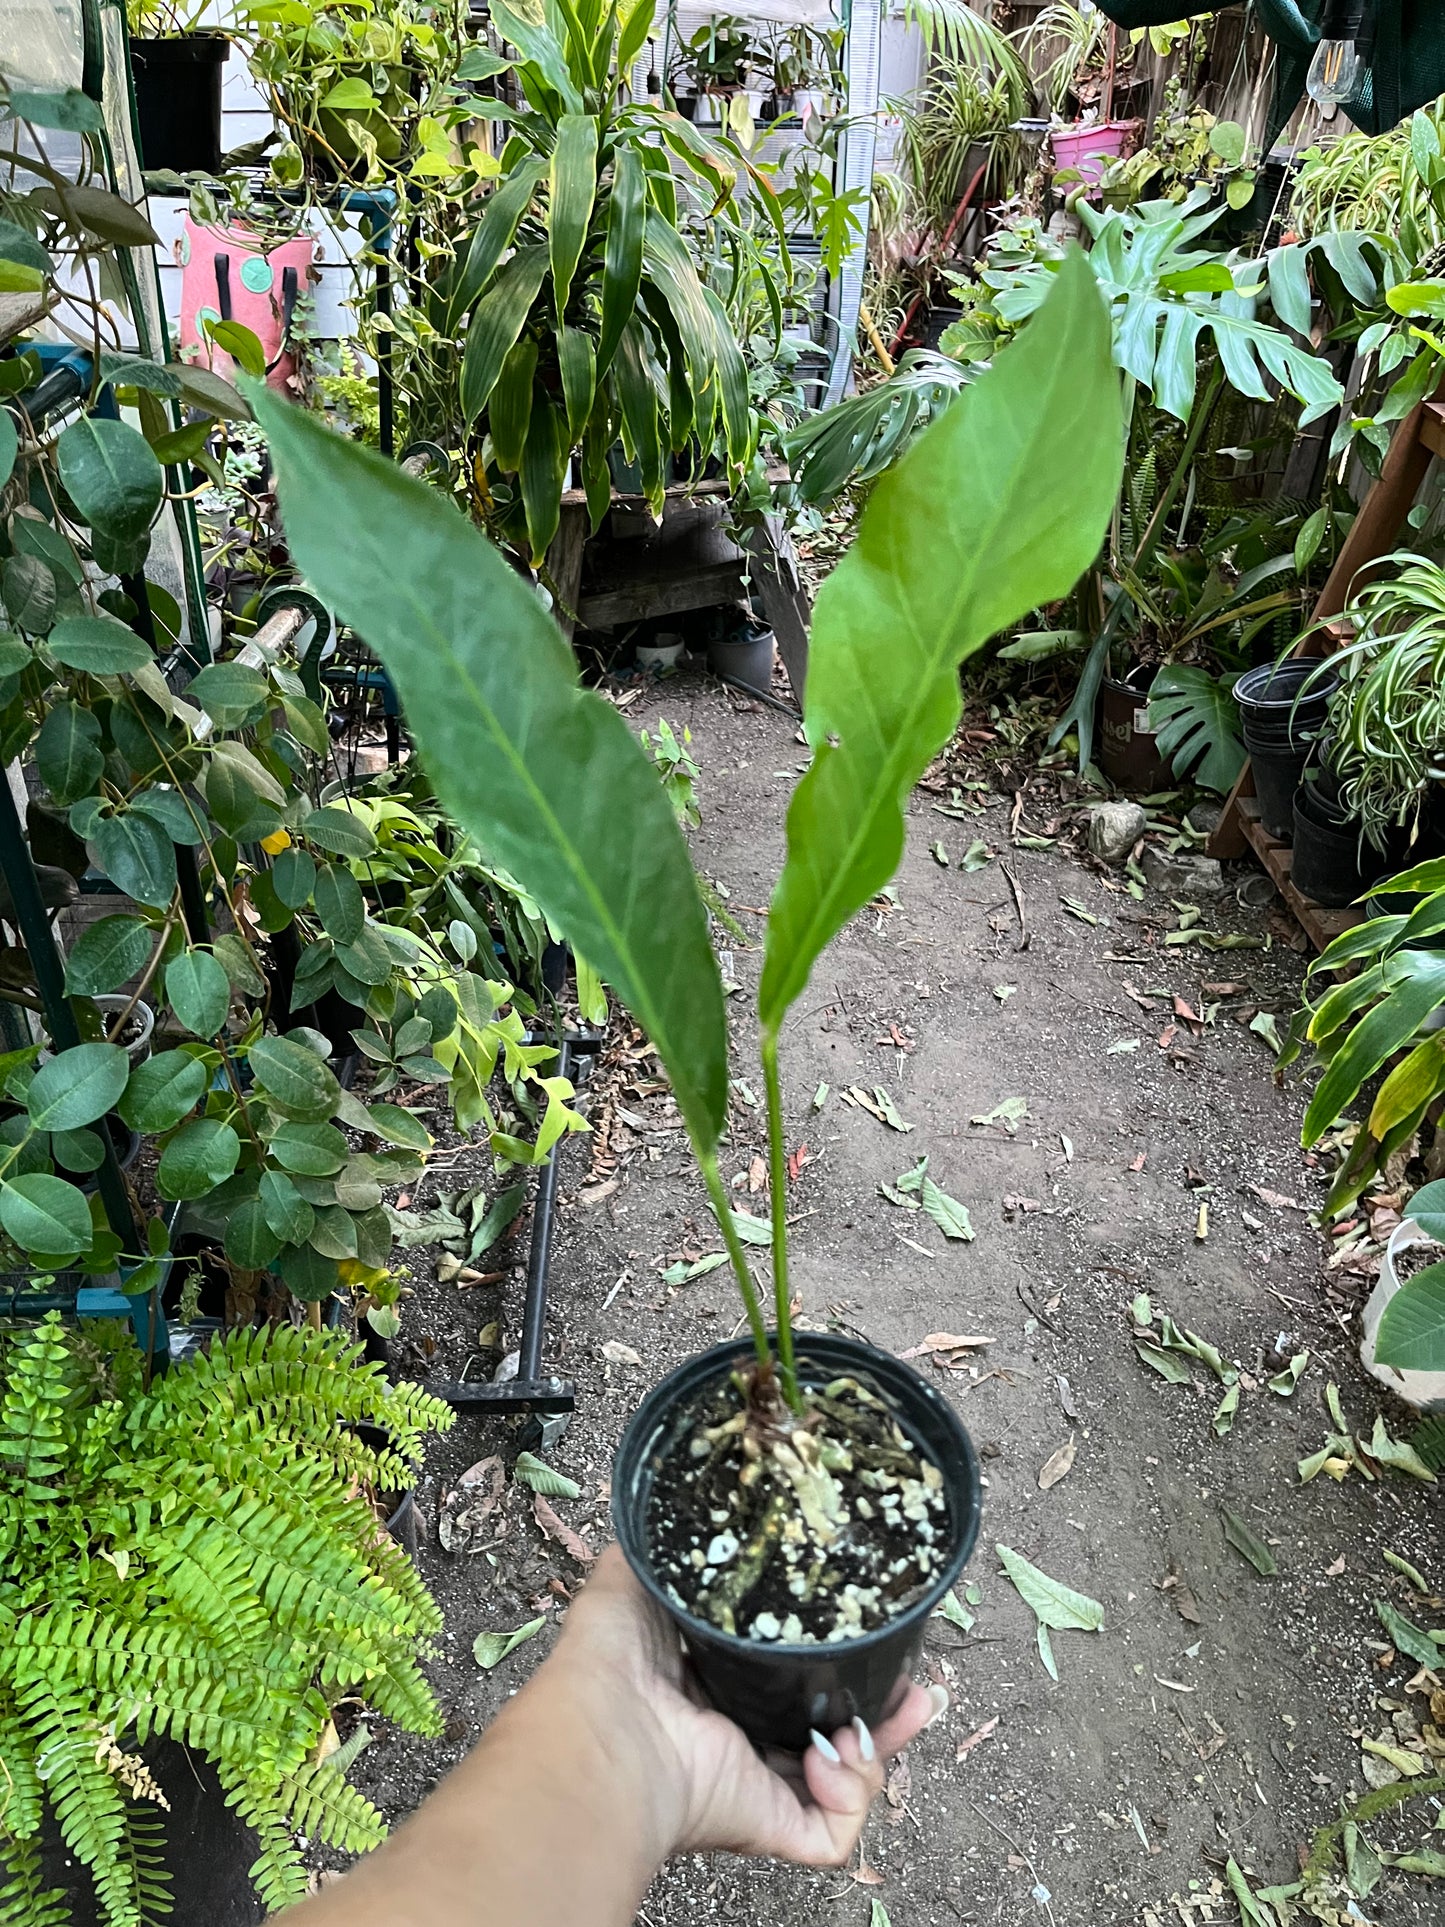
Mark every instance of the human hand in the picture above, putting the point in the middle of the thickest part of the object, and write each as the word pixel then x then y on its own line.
pixel 707 1788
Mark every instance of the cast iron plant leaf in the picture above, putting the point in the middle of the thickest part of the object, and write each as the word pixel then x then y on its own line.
pixel 544 774
pixel 982 521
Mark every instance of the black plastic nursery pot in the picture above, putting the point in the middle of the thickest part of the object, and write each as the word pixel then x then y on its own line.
pixel 1281 727
pixel 775 1691
pixel 178 101
pixel 1332 863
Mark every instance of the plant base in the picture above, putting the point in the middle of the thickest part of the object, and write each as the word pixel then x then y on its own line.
pixel 777 1688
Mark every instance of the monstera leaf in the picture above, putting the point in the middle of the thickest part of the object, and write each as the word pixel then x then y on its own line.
pixel 1196 719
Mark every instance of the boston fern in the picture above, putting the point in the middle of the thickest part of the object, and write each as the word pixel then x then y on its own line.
pixel 194 1559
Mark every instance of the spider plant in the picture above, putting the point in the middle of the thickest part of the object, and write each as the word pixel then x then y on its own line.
pixel 1387 717
pixel 1375 183
pixel 1060 44
pixel 964 107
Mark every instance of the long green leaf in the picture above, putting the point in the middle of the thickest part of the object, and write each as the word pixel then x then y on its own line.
pixel 1416 986
pixel 622 256
pixel 495 232
pixel 510 410
pixel 544 775
pixel 578 367
pixel 573 189
pixel 499 318
pixel 544 470
pixel 979 523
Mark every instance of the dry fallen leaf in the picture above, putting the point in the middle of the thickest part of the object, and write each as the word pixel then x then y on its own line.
pixel 866 1876
pixel 616 1353
pixel 977 1737
pixel 1187 1015
pixel 757 1175
pixel 466 1509
pixel 1276 1199
pixel 1140 1161
pixel 1334 1570
pixel 1057 1466
pixel 945 1342
pixel 558 1529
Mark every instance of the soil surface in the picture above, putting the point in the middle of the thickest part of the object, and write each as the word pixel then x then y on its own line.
pixel 1217 1713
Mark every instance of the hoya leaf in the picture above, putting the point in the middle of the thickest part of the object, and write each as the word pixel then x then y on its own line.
pixel 1054 1603
pixel 45 1214
pixel 545 1478
pixel 76 1087
pixel 489 1649
pixel 106 954
pixel 163 1090
pixel 1247 1543
pixel 1406 1636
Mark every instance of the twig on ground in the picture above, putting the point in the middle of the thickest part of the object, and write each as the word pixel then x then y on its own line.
pixel 1018 895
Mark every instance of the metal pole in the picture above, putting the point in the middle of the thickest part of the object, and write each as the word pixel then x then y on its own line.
pixel 534 1309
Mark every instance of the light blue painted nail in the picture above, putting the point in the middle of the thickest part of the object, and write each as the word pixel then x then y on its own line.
pixel 827 1748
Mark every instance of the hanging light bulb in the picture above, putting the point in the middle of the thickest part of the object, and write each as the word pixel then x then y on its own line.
pixel 1342 56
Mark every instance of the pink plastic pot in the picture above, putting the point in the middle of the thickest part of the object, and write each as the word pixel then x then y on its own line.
pixel 228 275
pixel 1084 150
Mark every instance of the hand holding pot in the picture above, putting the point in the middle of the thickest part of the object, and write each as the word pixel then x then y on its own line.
pixel 601 1768
pixel 710 1789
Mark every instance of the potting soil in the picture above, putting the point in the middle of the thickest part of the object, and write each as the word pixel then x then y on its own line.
pixel 814 1532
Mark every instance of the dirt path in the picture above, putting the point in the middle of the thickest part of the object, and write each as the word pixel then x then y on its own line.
pixel 1169 1743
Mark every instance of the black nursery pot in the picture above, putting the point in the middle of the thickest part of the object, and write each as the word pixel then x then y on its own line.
pixel 178 101
pixel 1281 727
pixel 775 1692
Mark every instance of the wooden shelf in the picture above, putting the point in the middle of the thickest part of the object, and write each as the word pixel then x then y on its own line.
pixel 1319 924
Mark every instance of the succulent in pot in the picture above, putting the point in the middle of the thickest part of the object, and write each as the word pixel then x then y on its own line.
pixel 846 1483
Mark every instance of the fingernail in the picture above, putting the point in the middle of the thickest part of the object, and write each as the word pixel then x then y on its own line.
pixel 826 1748
pixel 865 1741
pixel 938 1700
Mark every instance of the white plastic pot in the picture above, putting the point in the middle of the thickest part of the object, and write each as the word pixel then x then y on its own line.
pixel 1424 1390
pixel 661 655
pixel 111 1003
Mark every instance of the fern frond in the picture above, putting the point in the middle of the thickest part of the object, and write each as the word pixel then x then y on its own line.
pixel 324 1805
pixel 88 1806
pixel 35 1435
pixel 25 1900
pixel 141 1860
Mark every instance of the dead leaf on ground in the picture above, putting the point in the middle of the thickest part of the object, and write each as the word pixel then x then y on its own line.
pixel 796 1160
pixel 1066 1399
pixel 1144 1003
pixel 1140 1161
pixel 757 1175
pixel 1275 1199
pixel 465 1510
pixel 948 1350
pixel 977 1737
pixel 1184 1601
pixel 1224 990
pixel 865 1876
pixel 558 1529
pixel 616 1353
pixel 1335 1568
pixel 897 1789
pixel 1057 1465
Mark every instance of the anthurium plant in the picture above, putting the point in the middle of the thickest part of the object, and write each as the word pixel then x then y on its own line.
pixel 978 524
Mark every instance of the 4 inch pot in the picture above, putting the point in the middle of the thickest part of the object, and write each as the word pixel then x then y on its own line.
pixel 775 1692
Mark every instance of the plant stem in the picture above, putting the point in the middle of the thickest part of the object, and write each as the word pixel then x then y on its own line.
pixel 778 1186
pixel 723 1212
